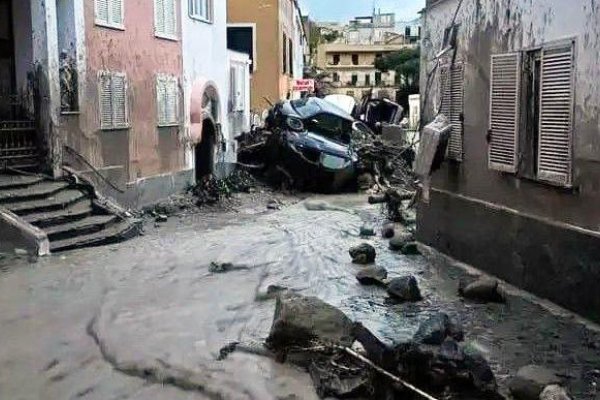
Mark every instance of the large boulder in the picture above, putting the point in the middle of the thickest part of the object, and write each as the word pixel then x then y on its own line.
pixel 362 254
pixel 372 275
pixel 387 231
pixel 401 239
pixel 530 381
pixel 478 369
pixel 484 290
pixel 410 249
pixel 435 329
pixel 300 321
pixel 554 392
pixel 404 288
pixel 339 382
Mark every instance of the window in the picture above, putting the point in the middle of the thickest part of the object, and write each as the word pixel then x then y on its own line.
pixel 201 10
pixel 377 78
pixel 285 59
pixel 354 59
pixel 167 100
pixel 354 79
pixel 109 13
pixel 336 77
pixel 165 19
pixel 531 114
pixel 291 56
pixel 336 59
pixel 242 38
pixel 367 80
pixel 113 100
pixel 452 96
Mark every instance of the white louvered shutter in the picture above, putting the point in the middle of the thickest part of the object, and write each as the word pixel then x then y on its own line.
pixel 116 12
pixel 172 101
pixel 504 112
pixel 452 91
pixel 106 114
pixel 241 87
pixel 161 94
pixel 556 114
pixel 119 100
pixel 102 7
pixel 159 16
pixel 170 18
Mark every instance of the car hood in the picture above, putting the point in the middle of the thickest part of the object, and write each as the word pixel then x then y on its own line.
pixel 318 142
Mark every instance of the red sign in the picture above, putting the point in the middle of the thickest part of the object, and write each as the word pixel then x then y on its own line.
pixel 304 85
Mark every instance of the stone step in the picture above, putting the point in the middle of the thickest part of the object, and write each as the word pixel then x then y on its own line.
pixel 75 211
pixel 88 225
pixel 8 182
pixel 37 191
pixel 58 201
pixel 112 234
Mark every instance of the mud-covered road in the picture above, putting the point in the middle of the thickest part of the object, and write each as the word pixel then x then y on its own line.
pixel 146 319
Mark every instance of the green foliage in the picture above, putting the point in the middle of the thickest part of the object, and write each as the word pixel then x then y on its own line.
pixel 406 63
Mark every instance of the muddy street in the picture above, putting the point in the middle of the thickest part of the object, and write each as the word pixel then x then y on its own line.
pixel 147 318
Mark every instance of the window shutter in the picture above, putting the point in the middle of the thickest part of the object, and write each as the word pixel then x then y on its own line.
pixel 106 119
pixel 504 112
pixel 160 100
pixel 159 16
pixel 556 114
pixel 452 92
pixel 102 7
pixel 170 20
pixel 172 100
pixel 241 88
pixel 116 8
pixel 119 100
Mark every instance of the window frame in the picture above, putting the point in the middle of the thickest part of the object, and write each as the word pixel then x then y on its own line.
pixel 167 80
pixel 210 17
pixel 112 74
pixel 252 25
pixel 109 23
pixel 165 35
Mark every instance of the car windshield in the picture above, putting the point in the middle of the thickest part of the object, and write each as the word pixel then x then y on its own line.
pixel 330 126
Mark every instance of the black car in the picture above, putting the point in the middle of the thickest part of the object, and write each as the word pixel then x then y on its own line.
pixel 312 143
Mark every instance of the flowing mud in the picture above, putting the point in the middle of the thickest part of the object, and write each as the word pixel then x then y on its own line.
pixel 148 318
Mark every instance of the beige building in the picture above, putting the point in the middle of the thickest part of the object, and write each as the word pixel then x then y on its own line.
pixel 273 35
pixel 352 71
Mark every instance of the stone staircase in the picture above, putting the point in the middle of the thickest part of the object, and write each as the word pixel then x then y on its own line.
pixel 67 212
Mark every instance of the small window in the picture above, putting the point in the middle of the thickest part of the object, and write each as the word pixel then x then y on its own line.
pixel 109 13
pixel 201 10
pixel 114 112
pixel 167 100
pixel 336 77
pixel 336 59
pixel 367 80
pixel 291 56
pixel 377 78
pixel 354 79
pixel 165 19
pixel 354 59
pixel 285 54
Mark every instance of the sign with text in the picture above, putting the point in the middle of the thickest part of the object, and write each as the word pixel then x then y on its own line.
pixel 304 85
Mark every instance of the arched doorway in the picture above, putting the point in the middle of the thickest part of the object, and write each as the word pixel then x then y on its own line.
pixel 204 151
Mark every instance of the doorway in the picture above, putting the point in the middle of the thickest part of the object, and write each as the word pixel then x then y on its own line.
pixel 205 151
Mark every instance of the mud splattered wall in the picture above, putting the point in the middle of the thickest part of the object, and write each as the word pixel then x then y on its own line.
pixel 494 27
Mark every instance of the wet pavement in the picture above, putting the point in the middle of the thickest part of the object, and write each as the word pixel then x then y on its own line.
pixel 145 319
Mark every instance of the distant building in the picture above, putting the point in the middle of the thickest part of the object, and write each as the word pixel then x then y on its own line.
pixel 273 35
pixel 352 71
pixel 519 196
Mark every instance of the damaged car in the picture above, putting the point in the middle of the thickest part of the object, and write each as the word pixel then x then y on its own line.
pixel 311 144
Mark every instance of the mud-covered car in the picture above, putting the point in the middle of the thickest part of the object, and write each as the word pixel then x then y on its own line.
pixel 312 143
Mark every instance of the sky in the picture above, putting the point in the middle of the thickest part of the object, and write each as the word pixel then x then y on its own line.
pixel 344 10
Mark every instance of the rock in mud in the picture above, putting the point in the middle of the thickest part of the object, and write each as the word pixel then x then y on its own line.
pixel 410 249
pixel 372 276
pixel 436 329
pixel 479 370
pixel 339 382
pixel 554 392
pixel 273 205
pixel 222 268
pixel 484 290
pixel 400 240
pixel 363 254
pixel 367 231
pixel 387 232
pixel 300 321
pixel 161 218
pixel 404 288
pixel 530 381
pixel 365 181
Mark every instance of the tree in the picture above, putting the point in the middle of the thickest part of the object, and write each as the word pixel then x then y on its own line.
pixel 406 64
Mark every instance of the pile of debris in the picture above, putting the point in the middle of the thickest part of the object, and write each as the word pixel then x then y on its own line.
pixel 211 190
pixel 346 360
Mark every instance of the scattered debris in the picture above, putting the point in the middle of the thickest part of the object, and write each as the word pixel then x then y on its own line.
pixel 436 329
pixel 362 254
pixel 211 190
pixel 21 252
pixel 372 275
pixel 273 205
pixel 554 392
pixel 404 288
pixel 484 290
pixel 531 380
pixel 400 240
pixel 367 231
pixel 161 218
pixel 410 249
pixel 222 268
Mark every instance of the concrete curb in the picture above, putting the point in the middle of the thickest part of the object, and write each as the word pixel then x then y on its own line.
pixel 16 233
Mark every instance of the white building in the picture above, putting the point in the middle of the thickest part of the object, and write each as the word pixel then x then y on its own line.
pixel 206 87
